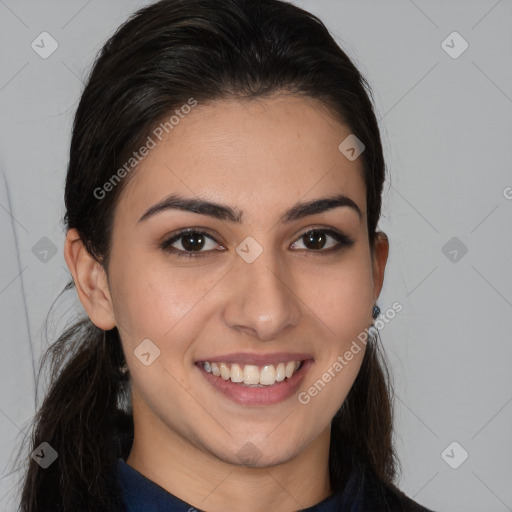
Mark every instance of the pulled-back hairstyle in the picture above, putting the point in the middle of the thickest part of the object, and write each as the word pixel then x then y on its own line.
pixel 165 54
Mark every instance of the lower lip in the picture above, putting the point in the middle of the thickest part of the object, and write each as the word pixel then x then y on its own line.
pixel 268 395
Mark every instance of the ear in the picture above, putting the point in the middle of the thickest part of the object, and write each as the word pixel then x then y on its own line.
pixel 380 257
pixel 90 281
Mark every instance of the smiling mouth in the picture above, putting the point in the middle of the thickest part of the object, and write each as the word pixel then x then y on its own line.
pixel 252 375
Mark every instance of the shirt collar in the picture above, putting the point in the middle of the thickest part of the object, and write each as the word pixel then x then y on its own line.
pixel 140 494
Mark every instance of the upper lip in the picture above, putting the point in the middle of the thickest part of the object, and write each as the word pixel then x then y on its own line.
pixel 257 359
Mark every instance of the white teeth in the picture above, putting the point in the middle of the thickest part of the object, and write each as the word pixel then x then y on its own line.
pixel 268 375
pixel 280 372
pixel 236 373
pixel 252 375
pixel 215 369
pixel 290 368
pixel 224 371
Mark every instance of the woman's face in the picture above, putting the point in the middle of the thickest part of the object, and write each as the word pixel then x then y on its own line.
pixel 248 290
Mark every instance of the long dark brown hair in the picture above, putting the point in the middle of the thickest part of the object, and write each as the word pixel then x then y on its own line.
pixel 165 54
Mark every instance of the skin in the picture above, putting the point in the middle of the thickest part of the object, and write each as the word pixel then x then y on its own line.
pixel 261 156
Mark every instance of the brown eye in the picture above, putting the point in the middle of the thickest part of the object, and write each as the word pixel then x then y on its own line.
pixel 193 241
pixel 316 240
pixel 189 243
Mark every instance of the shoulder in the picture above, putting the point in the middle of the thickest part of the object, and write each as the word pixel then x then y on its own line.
pixel 386 497
pixel 397 501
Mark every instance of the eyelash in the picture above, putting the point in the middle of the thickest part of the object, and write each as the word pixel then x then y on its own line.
pixel 342 239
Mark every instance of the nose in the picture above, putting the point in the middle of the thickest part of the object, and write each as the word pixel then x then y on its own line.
pixel 262 302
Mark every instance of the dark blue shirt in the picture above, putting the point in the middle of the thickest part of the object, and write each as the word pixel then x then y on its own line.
pixel 361 494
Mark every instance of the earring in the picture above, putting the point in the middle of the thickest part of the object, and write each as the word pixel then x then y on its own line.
pixel 372 330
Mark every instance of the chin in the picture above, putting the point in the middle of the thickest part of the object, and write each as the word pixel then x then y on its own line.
pixel 259 455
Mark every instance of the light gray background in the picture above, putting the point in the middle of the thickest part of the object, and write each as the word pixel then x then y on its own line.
pixel 447 130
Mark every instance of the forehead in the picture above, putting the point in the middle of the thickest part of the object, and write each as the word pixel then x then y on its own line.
pixel 257 155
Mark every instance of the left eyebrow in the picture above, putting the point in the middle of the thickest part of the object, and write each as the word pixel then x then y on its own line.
pixel 223 212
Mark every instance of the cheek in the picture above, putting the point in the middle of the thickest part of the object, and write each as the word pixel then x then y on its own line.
pixel 343 303
pixel 156 301
pixel 145 303
pixel 344 297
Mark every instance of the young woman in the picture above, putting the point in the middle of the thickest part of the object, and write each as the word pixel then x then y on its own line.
pixel 223 195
